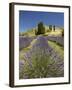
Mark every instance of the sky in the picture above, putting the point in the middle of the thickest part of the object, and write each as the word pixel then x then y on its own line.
pixel 30 19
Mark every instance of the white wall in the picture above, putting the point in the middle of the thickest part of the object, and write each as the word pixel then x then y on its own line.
pixel 4 44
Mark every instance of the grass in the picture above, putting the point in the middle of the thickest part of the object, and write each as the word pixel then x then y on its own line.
pixel 59 49
pixel 40 67
pixel 55 33
pixel 31 32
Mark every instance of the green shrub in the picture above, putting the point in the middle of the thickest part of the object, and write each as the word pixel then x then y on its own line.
pixel 54 27
pixel 41 29
pixel 48 30
pixel 50 27
pixel 38 67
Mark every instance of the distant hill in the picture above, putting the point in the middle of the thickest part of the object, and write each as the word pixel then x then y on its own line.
pixel 31 32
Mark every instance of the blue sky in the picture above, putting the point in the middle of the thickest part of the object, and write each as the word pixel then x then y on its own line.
pixel 30 19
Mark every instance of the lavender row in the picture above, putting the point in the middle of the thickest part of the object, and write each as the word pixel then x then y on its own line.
pixel 42 61
pixel 59 40
pixel 24 41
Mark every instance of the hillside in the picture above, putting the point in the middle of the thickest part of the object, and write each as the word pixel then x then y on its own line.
pixel 42 57
pixel 41 52
pixel 31 32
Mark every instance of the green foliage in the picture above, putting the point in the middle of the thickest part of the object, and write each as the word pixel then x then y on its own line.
pixel 57 47
pixel 23 34
pixel 48 30
pixel 50 27
pixel 54 27
pixel 41 29
pixel 38 67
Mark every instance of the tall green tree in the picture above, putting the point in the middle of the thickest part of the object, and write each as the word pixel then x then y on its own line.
pixel 50 27
pixel 41 28
pixel 54 27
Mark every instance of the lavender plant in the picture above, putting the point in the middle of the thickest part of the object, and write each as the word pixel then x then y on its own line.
pixel 59 40
pixel 40 61
pixel 24 41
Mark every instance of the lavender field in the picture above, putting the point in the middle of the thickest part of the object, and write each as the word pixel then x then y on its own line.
pixel 41 44
pixel 41 56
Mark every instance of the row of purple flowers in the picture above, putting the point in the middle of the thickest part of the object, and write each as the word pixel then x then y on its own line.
pixel 57 39
pixel 41 61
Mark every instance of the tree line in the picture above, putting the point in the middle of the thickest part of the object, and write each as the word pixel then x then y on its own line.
pixel 41 29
